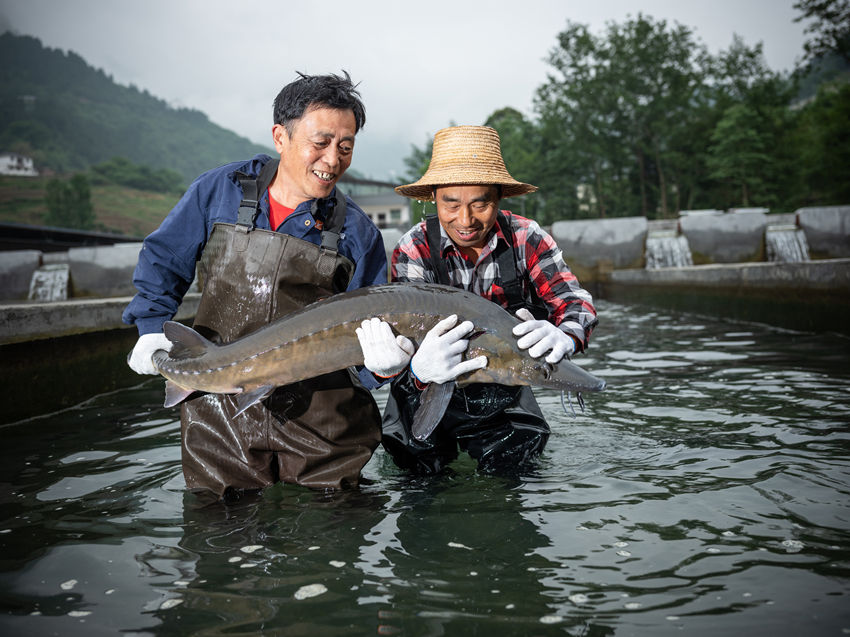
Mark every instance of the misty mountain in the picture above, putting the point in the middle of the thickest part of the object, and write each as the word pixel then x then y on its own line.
pixel 67 116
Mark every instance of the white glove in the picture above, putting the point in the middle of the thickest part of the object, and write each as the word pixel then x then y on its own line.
pixel 541 337
pixel 139 359
pixel 439 358
pixel 384 354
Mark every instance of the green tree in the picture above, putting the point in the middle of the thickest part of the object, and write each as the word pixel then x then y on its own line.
pixel 69 203
pixel 519 140
pixel 823 147
pixel 120 170
pixel 573 130
pixel 418 160
pixel 416 164
pixel 746 93
pixel 739 153
pixel 628 123
pixel 618 104
pixel 830 27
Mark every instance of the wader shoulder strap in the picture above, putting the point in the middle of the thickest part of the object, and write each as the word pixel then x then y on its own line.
pixel 333 225
pixel 506 258
pixel 511 279
pixel 330 261
pixel 438 265
pixel 253 189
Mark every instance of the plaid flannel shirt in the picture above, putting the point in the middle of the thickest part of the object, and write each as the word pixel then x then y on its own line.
pixel 570 306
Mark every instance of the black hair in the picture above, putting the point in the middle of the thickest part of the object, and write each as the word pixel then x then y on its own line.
pixel 311 91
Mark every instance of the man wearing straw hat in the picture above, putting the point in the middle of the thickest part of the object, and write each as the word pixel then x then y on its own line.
pixel 508 259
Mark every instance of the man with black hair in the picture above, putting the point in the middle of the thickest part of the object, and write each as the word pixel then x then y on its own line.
pixel 268 237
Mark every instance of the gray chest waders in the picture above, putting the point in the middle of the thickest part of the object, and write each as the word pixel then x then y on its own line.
pixel 500 426
pixel 318 432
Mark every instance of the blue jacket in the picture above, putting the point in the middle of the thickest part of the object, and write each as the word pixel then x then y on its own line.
pixel 167 260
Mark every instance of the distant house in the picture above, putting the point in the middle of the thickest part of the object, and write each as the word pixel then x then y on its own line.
pixel 17 165
pixel 386 209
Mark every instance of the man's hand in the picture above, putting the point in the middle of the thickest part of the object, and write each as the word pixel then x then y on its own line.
pixel 540 337
pixel 439 358
pixel 139 359
pixel 384 354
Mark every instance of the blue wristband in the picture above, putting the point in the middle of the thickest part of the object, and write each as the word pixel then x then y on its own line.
pixel 419 383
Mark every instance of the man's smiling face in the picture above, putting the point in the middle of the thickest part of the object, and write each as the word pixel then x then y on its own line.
pixel 467 213
pixel 314 155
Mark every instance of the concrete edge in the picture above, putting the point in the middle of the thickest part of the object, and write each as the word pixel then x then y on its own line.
pixel 828 274
pixel 21 322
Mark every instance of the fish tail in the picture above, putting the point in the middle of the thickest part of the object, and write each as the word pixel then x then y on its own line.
pixel 186 342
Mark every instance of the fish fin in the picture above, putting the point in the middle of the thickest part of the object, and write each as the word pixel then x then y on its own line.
pixel 175 394
pixel 246 399
pixel 186 342
pixel 432 405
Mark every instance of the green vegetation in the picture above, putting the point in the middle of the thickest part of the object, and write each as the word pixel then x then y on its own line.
pixel 829 27
pixel 116 208
pixel 642 120
pixel 69 203
pixel 135 151
pixel 120 170
pixel 69 116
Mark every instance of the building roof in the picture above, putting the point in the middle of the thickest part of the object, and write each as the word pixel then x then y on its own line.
pixel 383 199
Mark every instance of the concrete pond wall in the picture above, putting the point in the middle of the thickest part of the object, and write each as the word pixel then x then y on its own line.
pixel 93 272
pixel 827 231
pixel 593 248
pixel 600 245
pixel 725 237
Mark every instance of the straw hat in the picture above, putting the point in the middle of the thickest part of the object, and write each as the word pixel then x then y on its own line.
pixel 465 155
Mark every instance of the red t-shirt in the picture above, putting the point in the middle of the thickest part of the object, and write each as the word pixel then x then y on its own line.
pixel 277 212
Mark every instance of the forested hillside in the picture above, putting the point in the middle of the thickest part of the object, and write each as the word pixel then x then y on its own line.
pixel 67 116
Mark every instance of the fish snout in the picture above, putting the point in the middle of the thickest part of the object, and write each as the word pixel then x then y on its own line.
pixel 567 376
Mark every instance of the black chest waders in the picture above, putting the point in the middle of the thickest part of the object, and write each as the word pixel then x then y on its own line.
pixel 318 432
pixel 500 426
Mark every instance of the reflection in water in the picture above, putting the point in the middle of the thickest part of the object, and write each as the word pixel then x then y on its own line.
pixel 705 492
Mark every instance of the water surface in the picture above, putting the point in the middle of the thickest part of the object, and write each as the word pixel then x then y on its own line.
pixel 705 492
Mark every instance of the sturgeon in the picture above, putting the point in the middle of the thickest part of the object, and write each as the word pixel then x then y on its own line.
pixel 321 338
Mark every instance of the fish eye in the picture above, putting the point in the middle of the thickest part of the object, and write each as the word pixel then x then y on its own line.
pixel 545 369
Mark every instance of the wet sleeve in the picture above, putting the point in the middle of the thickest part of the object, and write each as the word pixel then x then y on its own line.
pixel 371 267
pixel 570 306
pixel 166 264
pixel 409 261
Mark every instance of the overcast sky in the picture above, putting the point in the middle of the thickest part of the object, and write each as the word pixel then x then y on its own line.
pixel 421 65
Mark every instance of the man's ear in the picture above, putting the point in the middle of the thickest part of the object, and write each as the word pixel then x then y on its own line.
pixel 280 137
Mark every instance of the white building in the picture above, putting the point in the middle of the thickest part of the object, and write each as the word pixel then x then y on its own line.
pixel 378 200
pixel 386 209
pixel 17 165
